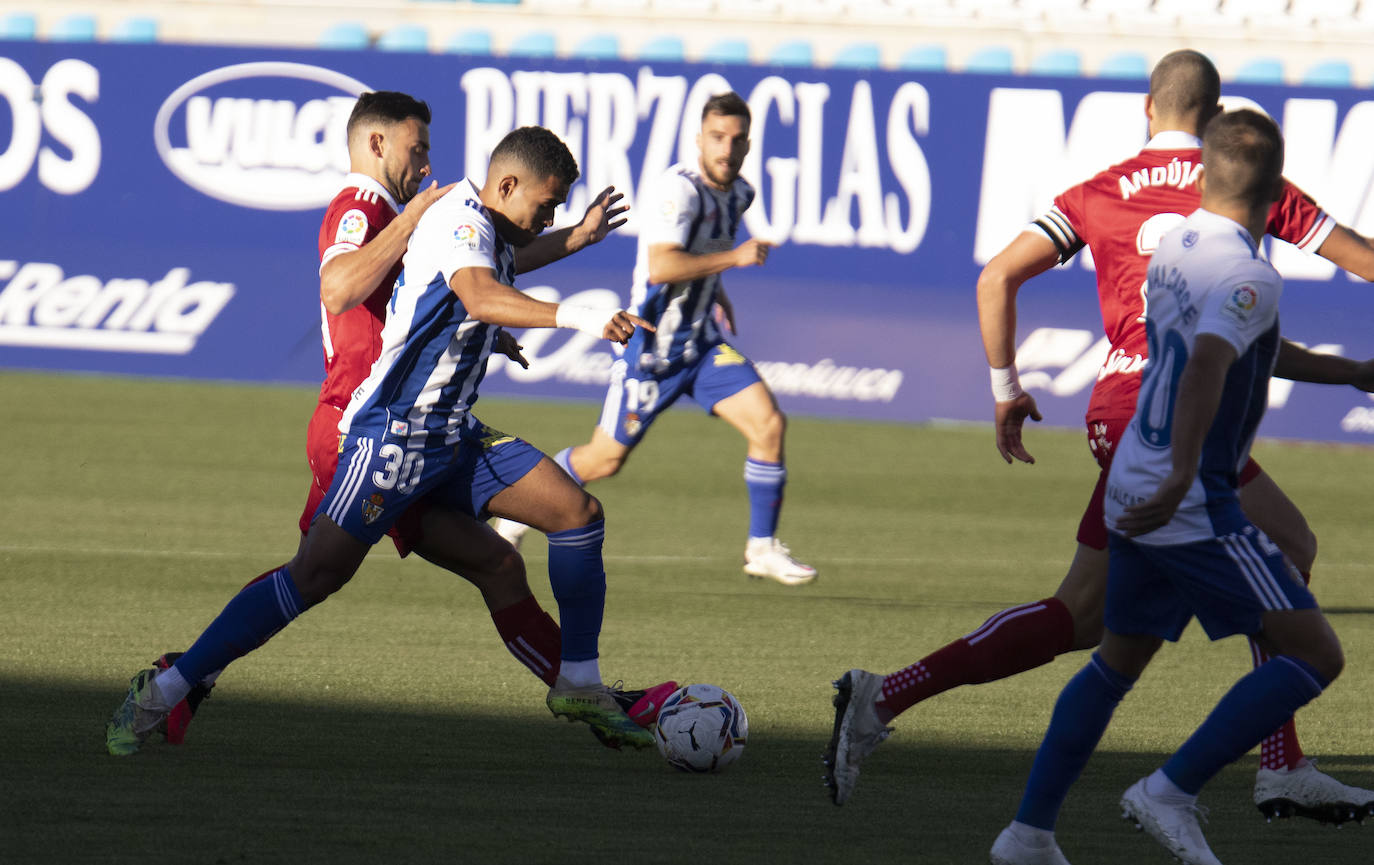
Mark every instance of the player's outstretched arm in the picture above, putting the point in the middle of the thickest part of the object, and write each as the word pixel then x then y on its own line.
pixel 1195 407
pixel 488 299
pixel 604 215
pixel 1349 251
pixel 672 263
pixel 346 280
pixel 1302 364
pixel 1029 255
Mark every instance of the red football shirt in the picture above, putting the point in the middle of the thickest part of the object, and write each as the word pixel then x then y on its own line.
pixel 353 340
pixel 1120 214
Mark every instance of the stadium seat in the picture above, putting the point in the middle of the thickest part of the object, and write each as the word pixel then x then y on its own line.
pixel 924 58
pixel 664 49
pixel 73 28
pixel 135 30
pixel 797 53
pixel 727 51
pixel 1125 65
pixel 598 46
pixel 540 43
pixel 994 59
pixel 344 36
pixel 469 42
pixel 1262 70
pixel 404 37
pixel 1066 63
pixel 1329 73
pixel 18 25
pixel 859 55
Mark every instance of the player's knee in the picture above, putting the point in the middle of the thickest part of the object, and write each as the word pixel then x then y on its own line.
pixel 316 584
pixel 1304 552
pixel 769 432
pixel 1329 659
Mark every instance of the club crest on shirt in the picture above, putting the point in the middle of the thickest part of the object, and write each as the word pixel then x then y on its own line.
pixel 400 428
pixel 372 508
pixel 1189 238
pixel 632 424
pixel 1241 302
pixel 467 235
pixel 352 228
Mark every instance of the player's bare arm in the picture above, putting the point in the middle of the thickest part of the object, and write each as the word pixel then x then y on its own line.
pixel 1199 394
pixel 1302 364
pixel 346 280
pixel 1029 255
pixel 488 299
pixel 604 215
pixel 1349 251
pixel 671 263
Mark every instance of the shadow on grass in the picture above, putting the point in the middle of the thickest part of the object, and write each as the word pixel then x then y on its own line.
pixel 271 782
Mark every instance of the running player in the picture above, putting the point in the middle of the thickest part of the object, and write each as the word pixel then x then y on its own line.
pixel 1180 545
pixel 686 243
pixel 1119 220
pixel 409 434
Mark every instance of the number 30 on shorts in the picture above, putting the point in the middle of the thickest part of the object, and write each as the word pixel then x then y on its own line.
pixel 402 469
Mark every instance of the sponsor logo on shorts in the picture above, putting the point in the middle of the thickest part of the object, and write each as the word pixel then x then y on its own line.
pixel 372 508
pixel 727 356
pixel 491 438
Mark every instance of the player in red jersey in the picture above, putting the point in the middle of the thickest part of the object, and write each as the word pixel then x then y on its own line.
pixel 362 239
pixel 1119 214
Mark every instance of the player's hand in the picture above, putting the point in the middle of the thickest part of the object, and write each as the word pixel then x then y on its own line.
pixel 1158 509
pixel 725 314
pixel 425 197
pixel 1009 417
pixel 507 345
pixel 752 252
pixel 1364 376
pixel 604 215
pixel 622 326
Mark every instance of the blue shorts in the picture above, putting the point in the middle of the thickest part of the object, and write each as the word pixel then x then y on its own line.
pixel 379 477
pixel 1228 582
pixel 636 397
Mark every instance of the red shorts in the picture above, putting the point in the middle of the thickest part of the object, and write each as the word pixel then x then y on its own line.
pixel 322 450
pixel 1103 436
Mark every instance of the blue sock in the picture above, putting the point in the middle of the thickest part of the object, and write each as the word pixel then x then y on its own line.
pixel 249 619
pixel 1081 715
pixel 765 482
pixel 1257 705
pixel 564 460
pixel 578 578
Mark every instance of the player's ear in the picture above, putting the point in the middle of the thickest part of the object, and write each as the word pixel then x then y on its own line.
pixel 374 143
pixel 698 142
pixel 507 185
pixel 1202 180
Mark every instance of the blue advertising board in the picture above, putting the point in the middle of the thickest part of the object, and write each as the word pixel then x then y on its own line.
pixel 162 205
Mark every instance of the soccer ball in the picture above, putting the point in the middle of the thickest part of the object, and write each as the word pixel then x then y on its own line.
pixel 701 728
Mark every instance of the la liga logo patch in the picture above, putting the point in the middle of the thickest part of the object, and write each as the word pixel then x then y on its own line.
pixel 466 234
pixel 1245 297
pixel 352 228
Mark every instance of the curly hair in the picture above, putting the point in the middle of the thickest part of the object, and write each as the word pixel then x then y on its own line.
pixel 540 151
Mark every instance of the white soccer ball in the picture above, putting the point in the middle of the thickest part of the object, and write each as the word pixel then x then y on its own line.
pixel 701 728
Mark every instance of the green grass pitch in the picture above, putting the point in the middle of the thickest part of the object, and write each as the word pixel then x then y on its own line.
pixel 390 726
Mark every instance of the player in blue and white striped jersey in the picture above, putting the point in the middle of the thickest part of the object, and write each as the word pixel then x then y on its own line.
pixel 689 222
pixel 408 434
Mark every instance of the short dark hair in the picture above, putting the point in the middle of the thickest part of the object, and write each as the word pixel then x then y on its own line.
pixel 729 104
pixel 1242 156
pixel 1185 83
pixel 540 151
pixel 387 106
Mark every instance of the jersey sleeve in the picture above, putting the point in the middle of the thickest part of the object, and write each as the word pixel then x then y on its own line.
pixel 1242 306
pixel 348 224
pixel 1058 223
pixel 468 241
pixel 1296 218
pixel 672 207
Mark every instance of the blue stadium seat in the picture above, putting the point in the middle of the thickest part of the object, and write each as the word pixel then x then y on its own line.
pixel 791 54
pixel 135 30
pixel 1126 65
pixel 1329 73
pixel 344 36
pixel 858 55
pixel 19 25
pixel 1066 63
pixel 469 42
pixel 1262 70
pixel 537 44
pixel 73 28
pixel 404 37
pixel 924 58
pixel 727 51
pixel 994 59
pixel 665 49
pixel 598 46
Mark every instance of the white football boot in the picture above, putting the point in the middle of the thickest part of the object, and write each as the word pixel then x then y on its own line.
pixel 768 557
pixel 1022 845
pixel 857 731
pixel 1173 824
pixel 1306 792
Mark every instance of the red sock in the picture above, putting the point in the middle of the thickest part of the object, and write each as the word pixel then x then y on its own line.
pixel 1281 750
pixel 1013 641
pixel 532 636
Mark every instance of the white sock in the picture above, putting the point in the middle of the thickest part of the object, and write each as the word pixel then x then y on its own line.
pixel 172 686
pixel 1159 786
pixel 581 673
